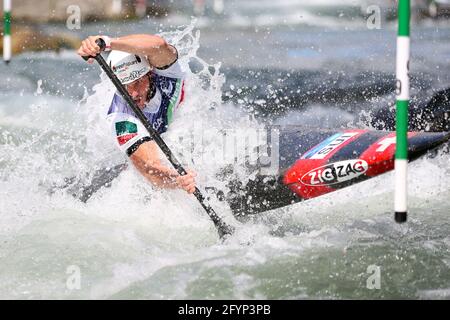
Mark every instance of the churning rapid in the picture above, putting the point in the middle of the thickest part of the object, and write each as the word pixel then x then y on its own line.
pixel 132 241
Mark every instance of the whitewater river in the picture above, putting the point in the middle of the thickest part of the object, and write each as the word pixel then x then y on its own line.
pixel 134 242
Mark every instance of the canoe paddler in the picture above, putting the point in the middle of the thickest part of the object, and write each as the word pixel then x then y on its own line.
pixel 148 68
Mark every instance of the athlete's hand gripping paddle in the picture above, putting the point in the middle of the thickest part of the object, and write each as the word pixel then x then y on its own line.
pixel 222 228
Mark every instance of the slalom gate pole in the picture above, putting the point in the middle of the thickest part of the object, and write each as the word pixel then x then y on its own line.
pixel 402 102
pixel 6 31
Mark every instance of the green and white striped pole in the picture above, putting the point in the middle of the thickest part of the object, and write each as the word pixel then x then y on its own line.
pixel 7 30
pixel 401 153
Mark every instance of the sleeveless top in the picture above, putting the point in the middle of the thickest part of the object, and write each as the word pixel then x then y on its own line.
pixel 127 129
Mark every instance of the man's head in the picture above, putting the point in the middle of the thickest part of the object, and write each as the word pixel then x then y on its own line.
pixel 133 72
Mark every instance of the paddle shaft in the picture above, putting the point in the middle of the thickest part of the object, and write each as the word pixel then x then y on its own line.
pixel 222 228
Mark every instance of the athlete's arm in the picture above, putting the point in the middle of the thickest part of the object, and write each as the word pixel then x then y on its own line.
pixel 147 162
pixel 158 51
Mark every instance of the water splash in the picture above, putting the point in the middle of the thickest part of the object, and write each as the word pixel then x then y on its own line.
pixel 133 241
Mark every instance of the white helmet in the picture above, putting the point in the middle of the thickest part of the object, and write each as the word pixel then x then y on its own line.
pixel 128 67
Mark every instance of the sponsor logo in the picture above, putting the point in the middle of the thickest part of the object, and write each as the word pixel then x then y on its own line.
pixel 329 145
pixel 125 131
pixel 121 71
pixel 125 64
pixel 157 124
pixel 336 172
pixel 166 86
pixel 134 75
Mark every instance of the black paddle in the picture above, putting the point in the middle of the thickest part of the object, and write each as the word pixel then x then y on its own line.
pixel 222 228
